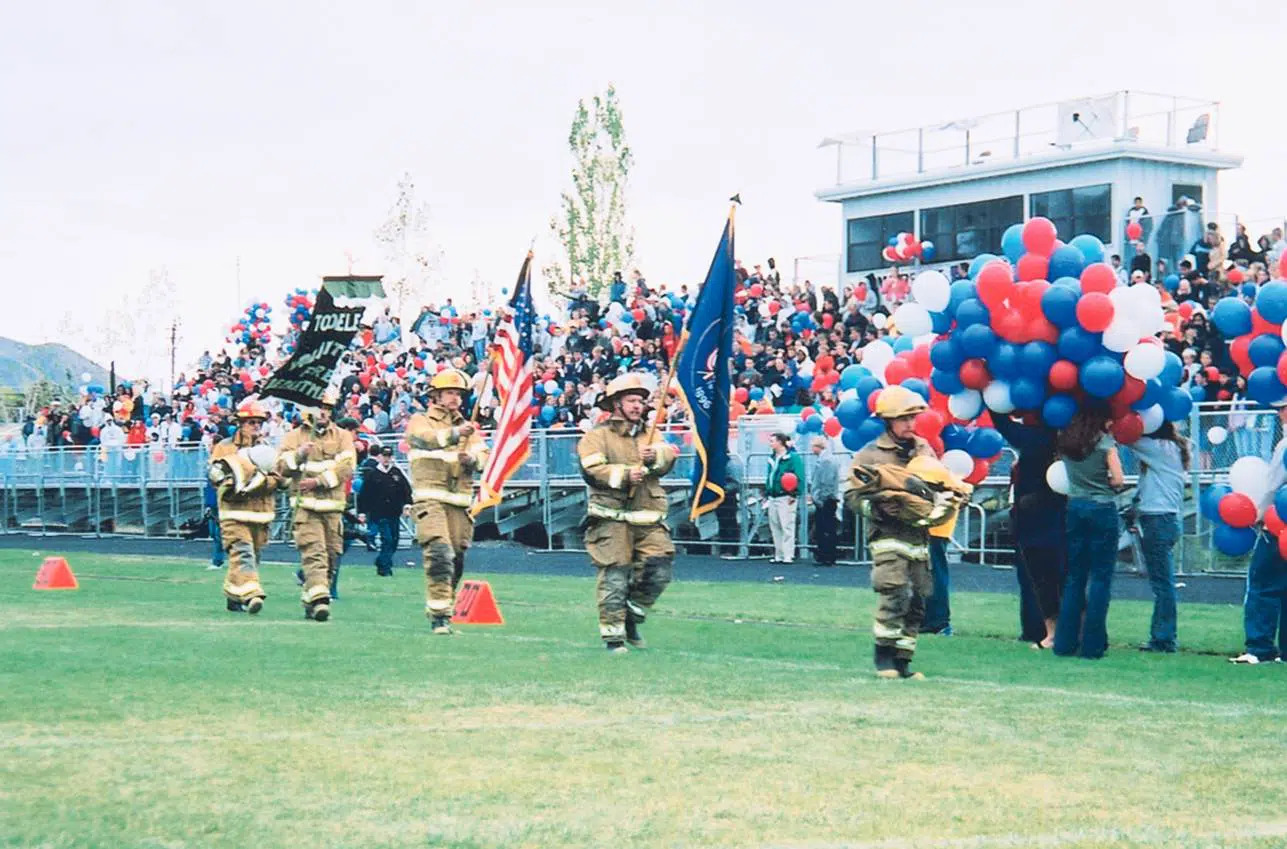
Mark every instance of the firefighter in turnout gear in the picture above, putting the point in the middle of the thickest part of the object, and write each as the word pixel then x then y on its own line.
pixel 625 535
pixel 900 507
pixel 241 470
pixel 446 451
pixel 318 458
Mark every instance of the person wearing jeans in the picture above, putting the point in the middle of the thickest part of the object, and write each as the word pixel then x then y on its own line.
pixel 1163 460
pixel 938 607
pixel 212 523
pixel 1264 607
pixel 1094 474
pixel 382 500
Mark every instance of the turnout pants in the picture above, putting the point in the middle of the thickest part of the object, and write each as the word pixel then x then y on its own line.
pixel 900 575
pixel 242 543
pixel 635 564
pixel 320 540
pixel 444 532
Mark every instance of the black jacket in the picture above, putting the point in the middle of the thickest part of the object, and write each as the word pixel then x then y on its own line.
pixel 383 495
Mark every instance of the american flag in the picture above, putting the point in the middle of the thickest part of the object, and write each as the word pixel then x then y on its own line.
pixel 513 439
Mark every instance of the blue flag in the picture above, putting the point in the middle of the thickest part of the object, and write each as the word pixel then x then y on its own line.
pixel 706 349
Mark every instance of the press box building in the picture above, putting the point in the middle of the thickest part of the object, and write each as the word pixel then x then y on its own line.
pixel 1080 163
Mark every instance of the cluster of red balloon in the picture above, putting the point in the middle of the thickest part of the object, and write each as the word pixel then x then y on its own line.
pixel 1021 345
pixel 1234 508
pixel 904 248
pixel 254 327
pixel 1259 346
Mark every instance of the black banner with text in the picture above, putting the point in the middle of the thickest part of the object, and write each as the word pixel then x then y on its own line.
pixel 304 377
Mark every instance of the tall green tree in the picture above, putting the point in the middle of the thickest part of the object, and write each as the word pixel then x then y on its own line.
pixel 592 224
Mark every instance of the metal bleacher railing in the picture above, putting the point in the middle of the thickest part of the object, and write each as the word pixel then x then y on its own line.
pixel 156 492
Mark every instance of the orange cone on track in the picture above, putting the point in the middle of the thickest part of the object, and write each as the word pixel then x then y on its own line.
pixel 475 605
pixel 55 574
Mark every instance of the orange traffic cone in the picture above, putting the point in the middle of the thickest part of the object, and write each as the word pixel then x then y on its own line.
pixel 475 605
pixel 55 574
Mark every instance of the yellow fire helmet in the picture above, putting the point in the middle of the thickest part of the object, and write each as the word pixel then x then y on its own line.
pixel 930 470
pixel 898 401
pixel 449 378
pixel 626 384
pixel 250 410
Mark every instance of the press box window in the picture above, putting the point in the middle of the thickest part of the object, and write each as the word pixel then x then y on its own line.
pixel 869 236
pixel 1087 209
pixel 965 230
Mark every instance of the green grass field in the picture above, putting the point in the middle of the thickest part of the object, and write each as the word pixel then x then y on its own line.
pixel 136 712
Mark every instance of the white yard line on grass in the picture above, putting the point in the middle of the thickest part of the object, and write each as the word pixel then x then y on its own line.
pixel 1144 834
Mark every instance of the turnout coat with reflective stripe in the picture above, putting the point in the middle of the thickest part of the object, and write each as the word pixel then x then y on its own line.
pixel 607 454
pixel 331 465
pixel 896 519
pixel 436 445
pixel 245 494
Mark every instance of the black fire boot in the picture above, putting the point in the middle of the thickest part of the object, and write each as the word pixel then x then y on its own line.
pixel 633 637
pixel 885 667
pixel 901 664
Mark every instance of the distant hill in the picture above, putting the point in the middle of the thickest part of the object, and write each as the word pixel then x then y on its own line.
pixel 22 365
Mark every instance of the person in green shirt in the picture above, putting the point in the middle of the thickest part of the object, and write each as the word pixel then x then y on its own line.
pixel 782 496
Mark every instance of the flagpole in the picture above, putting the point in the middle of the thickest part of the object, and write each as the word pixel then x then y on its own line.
pixel 683 340
pixel 665 387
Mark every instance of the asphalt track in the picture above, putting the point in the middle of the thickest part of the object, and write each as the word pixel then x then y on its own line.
pixel 511 558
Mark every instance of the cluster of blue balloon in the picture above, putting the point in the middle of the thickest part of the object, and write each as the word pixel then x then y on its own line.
pixel 255 326
pixel 545 393
pixel 858 386
pixel 1258 340
pixel 1019 344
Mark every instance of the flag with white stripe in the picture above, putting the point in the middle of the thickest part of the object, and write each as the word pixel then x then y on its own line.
pixel 512 442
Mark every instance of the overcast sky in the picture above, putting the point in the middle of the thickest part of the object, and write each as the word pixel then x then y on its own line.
pixel 185 135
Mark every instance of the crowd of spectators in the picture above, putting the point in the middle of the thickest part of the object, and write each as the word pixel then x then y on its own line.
pixel 784 330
